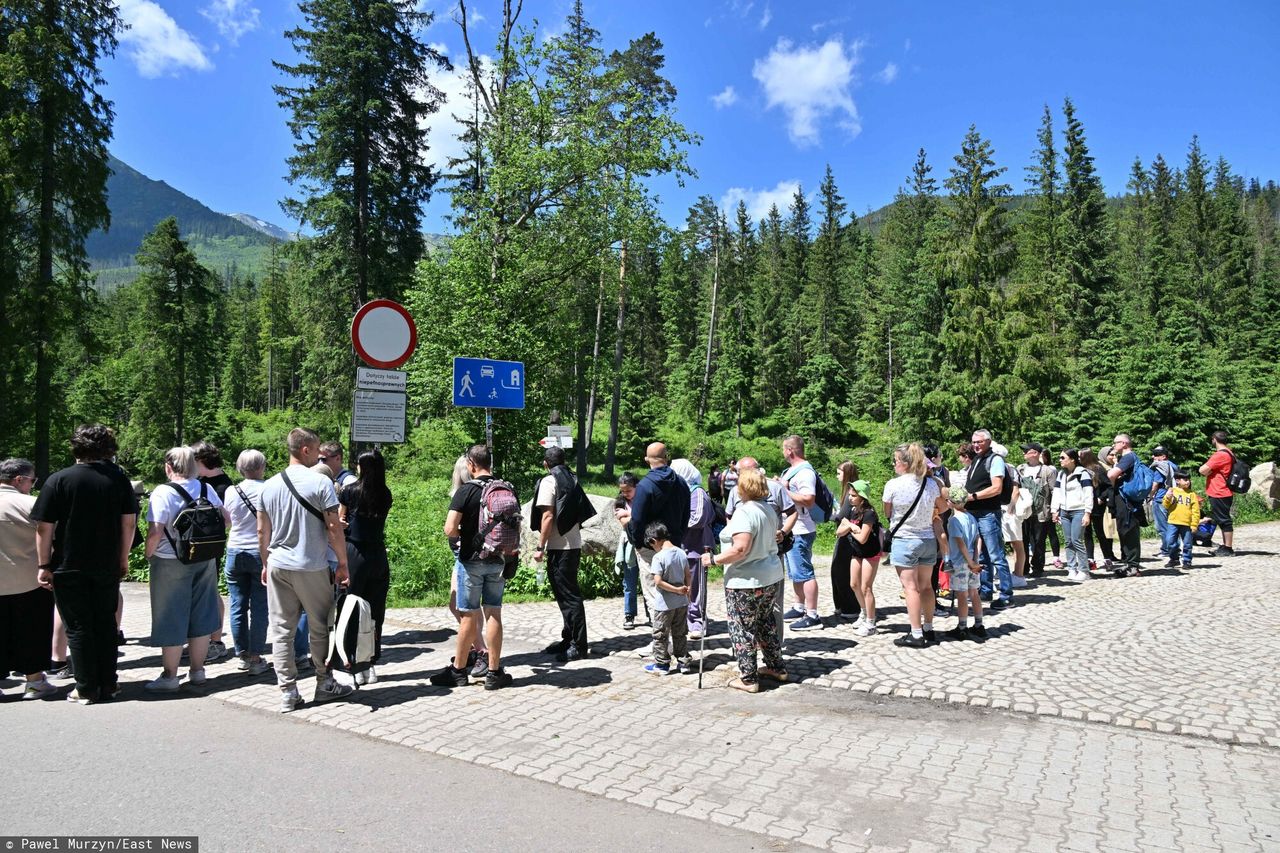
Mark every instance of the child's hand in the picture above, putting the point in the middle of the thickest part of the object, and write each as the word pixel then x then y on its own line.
pixel 974 567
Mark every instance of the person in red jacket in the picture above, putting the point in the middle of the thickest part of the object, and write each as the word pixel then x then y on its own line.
pixel 1220 495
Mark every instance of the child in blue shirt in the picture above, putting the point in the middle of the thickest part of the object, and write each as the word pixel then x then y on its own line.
pixel 962 566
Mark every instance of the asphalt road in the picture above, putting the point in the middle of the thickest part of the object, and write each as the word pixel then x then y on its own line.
pixel 246 780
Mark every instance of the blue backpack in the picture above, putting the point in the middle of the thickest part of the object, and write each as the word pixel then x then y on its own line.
pixel 1137 488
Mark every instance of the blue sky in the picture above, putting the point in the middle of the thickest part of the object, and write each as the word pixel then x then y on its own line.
pixel 776 89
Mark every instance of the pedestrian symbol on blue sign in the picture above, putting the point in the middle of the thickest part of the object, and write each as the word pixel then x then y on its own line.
pixel 488 383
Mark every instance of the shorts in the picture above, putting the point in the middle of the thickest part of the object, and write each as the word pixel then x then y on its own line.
pixel 1220 512
pixel 480 584
pixel 907 552
pixel 800 558
pixel 1011 527
pixel 962 578
pixel 184 600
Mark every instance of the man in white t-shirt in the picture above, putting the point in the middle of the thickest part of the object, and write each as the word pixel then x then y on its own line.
pixel 802 485
pixel 559 508
pixel 297 524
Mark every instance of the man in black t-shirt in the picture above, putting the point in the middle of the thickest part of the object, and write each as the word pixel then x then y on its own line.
pixel 87 515
pixel 480 582
pixel 1129 518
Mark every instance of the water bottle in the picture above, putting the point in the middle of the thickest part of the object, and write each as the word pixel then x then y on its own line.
pixel 542 574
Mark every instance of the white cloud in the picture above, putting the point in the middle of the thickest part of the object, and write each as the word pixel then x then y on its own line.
pixel 766 17
pixel 759 201
pixel 443 129
pixel 155 42
pixel 233 18
pixel 810 83
pixel 888 74
pixel 727 98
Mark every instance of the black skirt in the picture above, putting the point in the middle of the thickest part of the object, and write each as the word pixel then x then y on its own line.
pixel 26 631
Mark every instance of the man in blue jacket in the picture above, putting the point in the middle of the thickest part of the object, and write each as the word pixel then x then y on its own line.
pixel 661 496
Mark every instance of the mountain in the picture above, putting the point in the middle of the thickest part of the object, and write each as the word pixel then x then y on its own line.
pixel 270 229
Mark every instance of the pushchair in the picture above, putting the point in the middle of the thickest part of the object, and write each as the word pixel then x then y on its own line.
pixel 1204 533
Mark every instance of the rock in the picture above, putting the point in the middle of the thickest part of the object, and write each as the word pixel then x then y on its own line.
pixel 1266 482
pixel 599 534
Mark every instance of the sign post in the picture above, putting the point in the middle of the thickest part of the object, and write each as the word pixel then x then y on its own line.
pixel 384 336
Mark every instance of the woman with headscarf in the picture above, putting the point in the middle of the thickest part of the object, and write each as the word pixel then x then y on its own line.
pixel 698 540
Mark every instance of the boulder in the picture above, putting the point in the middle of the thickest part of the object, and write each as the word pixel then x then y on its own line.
pixel 1266 482
pixel 599 534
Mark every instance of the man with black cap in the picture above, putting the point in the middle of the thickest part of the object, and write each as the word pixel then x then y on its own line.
pixel 1164 470
pixel 1037 478
pixel 559 509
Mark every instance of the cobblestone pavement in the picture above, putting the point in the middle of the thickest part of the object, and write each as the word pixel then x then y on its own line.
pixel 1134 714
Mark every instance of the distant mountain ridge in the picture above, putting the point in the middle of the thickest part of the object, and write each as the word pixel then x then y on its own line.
pixel 261 225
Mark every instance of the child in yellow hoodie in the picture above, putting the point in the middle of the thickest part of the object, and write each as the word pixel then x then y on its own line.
pixel 1184 517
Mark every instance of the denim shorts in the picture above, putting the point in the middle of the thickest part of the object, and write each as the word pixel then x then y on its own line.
pixel 908 552
pixel 962 579
pixel 479 584
pixel 184 600
pixel 800 558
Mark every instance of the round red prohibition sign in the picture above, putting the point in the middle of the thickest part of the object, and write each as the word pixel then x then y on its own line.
pixel 383 333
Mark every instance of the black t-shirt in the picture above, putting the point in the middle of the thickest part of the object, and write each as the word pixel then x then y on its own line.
pixel 85 503
pixel 219 483
pixel 467 501
pixel 363 526
pixel 872 546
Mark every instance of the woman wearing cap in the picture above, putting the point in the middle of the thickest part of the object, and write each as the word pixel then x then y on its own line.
pixel 842 595
pixel 913 500
pixel 860 527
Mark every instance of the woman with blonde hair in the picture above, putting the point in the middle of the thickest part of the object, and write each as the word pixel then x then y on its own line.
pixel 913 501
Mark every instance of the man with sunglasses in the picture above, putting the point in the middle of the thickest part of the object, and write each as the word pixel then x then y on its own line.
pixel 331 456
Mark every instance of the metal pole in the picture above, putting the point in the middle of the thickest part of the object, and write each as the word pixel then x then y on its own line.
pixel 488 428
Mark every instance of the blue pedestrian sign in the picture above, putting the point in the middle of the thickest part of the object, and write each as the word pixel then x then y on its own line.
pixel 487 383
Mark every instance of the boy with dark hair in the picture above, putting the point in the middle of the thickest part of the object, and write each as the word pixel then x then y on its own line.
pixel 670 603
pixel 1183 506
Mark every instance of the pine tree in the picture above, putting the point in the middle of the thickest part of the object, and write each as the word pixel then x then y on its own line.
pixel 55 124
pixel 1084 236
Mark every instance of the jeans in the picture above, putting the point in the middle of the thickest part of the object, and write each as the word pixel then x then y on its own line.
pixel 248 601
pixel 630 583
pixel 1181 536
pixel 995 566
pixel 800 558
pixel 87 602
pixel 1072 531
pixel 1163 527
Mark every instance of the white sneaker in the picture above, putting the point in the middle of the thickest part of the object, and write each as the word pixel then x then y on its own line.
pixel 196 676
pixel 329 690
pixel 864 629
pixel 289 701
pixel 1019 582
pixel 645 651
pixel 258 667
pixel 38 689
pixel 695 635
pixel 163 684
pixel 371 675
pixel 242 663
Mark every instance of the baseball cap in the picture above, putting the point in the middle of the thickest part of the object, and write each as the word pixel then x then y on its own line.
pixel 1035 445
pixel 1160 451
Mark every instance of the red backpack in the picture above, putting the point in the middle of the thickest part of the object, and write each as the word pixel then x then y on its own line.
pixel 499 535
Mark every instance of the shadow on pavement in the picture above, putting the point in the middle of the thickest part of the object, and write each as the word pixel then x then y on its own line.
pixel 565 677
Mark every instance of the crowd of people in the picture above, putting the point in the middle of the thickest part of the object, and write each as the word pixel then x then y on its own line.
pixel 289 544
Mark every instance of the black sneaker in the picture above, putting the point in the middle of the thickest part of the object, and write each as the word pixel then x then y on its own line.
pixel 472 657
pixel 1224 551
pixel 957 633
pixel 999 603
pixel 450 677
pixel 480 667
pixel 569 654
pixel 911 642
pixel 978 630
pixel 629 623
pixel 931 636
pixel 497 679
pixel 556 648
pixel 1172 564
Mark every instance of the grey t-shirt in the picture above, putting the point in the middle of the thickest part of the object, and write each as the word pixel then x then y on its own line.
pixel 298 539
pixel 672 566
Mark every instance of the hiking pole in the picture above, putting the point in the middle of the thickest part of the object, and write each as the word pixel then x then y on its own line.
pixel 706 626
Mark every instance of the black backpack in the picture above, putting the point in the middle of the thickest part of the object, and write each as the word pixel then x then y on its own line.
pixel 1239 479
pixel 1006 486
pixel 202 531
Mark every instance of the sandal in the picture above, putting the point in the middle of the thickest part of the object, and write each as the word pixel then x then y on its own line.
pixel 1057 563
pixel 774 674
pixel 738 684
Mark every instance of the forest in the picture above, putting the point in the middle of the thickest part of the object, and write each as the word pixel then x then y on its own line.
pixel 1025 297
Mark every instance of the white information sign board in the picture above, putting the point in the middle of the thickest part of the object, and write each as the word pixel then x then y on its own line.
pixel 372 379
pixel 559 431
pixel 378 417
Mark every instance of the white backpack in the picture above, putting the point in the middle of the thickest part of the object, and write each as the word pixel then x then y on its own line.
pixel 351 641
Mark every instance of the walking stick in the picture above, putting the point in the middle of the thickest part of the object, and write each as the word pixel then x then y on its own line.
pixel 706 626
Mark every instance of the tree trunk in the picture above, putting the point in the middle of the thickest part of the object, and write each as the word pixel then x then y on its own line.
pixel 615 406
pixel 584 437
pixel 711 329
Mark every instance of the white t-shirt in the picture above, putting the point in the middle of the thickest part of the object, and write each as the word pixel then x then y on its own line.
pixel 299 540
pixel 547 498
pixel 244 521
pixel 801 479
pixel 164 506
pixel 900 492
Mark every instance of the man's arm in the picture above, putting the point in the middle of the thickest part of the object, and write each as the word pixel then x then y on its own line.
pixel 544 532
pixel 338 543
pixel 453 524
pixel 44 552
pixel 128 527
pixel 991 491
pixel 264 541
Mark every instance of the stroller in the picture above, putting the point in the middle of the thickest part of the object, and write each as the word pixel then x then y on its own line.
pixel 1204 533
